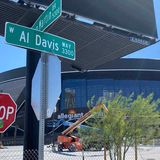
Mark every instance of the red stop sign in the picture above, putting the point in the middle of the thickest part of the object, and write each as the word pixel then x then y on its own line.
pixel 8 110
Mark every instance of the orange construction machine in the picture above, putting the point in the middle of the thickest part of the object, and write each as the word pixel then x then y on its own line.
pixel 70 142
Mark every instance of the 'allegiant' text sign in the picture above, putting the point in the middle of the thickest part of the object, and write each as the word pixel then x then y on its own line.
pixel 33 39
pixel 49 15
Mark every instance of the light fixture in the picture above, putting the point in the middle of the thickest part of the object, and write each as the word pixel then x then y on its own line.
pixel 84 19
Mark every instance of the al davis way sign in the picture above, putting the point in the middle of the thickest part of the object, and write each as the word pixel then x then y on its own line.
pixel 41 41
pixel 8 110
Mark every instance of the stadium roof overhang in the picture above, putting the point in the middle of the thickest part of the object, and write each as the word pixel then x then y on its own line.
pixel 105 35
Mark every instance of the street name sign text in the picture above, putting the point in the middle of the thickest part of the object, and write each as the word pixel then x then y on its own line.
pixel 41 41
pixel 52 13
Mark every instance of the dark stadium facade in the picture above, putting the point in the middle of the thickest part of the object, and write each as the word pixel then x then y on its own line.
pixel 126 75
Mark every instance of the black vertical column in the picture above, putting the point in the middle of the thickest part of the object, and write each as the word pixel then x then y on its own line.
pixel 31 126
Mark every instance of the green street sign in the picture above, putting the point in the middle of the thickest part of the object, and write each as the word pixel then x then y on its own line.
pixel 53 12
pixel 41 41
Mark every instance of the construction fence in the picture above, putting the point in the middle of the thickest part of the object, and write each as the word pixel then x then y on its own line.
pixel 145 152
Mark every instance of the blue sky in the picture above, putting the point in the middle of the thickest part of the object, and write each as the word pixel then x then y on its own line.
pixel 13 57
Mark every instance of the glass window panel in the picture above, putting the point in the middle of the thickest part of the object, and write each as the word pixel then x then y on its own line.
pixel 70 97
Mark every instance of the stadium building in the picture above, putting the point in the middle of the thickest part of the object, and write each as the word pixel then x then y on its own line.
pixel 127 75
pixel 102 37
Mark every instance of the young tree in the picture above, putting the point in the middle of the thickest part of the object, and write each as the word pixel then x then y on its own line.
pixel 143 119
pixel 126 123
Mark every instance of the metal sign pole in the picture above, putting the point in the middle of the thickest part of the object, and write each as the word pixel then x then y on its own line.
pixel 43 105
pixel 30 122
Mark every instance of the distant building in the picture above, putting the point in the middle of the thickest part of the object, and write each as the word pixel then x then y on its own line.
pixel 126 75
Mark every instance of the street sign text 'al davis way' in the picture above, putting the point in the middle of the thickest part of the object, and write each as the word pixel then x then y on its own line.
pixel 33 39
